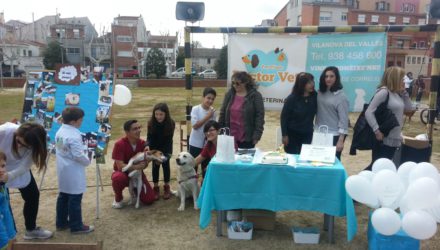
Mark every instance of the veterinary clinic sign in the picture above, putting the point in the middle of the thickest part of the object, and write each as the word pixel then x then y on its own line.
pixel 274 60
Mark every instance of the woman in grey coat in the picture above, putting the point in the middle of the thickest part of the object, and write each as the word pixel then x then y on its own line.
pixel 243 110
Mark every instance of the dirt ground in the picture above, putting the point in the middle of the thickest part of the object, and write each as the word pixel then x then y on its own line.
pixel 161 226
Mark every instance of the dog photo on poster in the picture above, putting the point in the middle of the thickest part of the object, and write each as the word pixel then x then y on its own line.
pixel 46 96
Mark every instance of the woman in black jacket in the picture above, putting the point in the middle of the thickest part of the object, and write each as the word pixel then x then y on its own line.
pixel 298 113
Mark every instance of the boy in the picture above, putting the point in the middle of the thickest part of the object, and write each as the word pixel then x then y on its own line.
pixel 71 160
pixel 7 227
pixel 201 114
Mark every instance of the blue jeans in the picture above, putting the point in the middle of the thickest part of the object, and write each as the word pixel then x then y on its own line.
pixel 69 211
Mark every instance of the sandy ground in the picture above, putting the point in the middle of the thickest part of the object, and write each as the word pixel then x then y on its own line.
pixel 161 226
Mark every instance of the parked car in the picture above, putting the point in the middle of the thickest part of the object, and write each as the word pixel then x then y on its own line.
pixel 130 73
pixel 180 73
pixel 209 73
pixel 17 73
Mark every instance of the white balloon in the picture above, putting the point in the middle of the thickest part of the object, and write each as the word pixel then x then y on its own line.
pixel 386 221
pixel 122 95
pixel 423 169
pixel 367 174
pixel 434 211
pixel 422 193
pixel 404 170
pixel 419 224
pixel 383 163
pixel 360 189
pixel 403 205
pixel 388 187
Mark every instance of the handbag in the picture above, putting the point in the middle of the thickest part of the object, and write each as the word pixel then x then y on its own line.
pixel 225 146
pixel 321 137
pixel 363 135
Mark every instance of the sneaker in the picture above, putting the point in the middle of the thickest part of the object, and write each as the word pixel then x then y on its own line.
pixel 117 205
pixel 156 193
pixel 84 230
pixel 37 233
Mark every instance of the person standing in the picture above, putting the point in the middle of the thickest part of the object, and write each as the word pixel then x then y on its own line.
pixel 392 86
pixel 160 137
pixel 243 110
pixel 298 113
pixel 200 115
pixel 71 161
pixel 408 80
pixel 333 107
pixel 23 146
pixel 124 149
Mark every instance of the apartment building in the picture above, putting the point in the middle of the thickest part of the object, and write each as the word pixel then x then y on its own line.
pixel 129 43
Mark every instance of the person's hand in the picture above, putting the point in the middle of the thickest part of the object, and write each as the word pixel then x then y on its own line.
pixel 211 112
pixel 285 140
pixel 379 135
pixel 339 145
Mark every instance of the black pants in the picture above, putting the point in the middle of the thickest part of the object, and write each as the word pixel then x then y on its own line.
pixel 296 140
pixel 166 170
pixel 245 144
pixel 31 197
pixel 195 151
pixel 381 150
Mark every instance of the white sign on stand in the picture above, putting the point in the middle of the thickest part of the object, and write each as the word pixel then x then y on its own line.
pixel 317 153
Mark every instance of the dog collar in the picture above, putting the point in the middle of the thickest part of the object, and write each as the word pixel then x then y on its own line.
pixel 192 177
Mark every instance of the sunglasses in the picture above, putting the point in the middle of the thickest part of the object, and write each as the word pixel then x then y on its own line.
pixel 237 83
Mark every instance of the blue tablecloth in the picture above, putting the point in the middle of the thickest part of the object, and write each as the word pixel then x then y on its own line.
pixel 273 187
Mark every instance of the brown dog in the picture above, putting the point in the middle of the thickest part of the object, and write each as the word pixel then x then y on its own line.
pixel 135 175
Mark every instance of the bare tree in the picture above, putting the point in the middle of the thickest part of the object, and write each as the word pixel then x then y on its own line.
pixel 9 53
pixel 102 45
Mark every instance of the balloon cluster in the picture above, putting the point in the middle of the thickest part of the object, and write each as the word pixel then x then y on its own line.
pixel 413 188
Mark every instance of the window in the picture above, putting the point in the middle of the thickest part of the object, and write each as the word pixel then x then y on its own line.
pixel 374 19
pixel 298 21
pixel 75 33
pixel 361 18
pixel 408 60
pixel 419 60
pixel 123 53
pixel 422 21
pixel 124 39
pixel 72 51
pixel 344 16
pixel 413 60
pixel 392 19
pixel 399 44
pixel 422 44
pixel 406 20
pixel 407 8
pixel 61 33
pixel 325 16
pixel 414 45
pixel 209 60
pixel 93 52
pixel 423 60
pixel 380 6
pixel 29 53
pixel 296 3
pixel 24 52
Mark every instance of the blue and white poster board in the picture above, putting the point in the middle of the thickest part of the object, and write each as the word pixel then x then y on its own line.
pixel 45 100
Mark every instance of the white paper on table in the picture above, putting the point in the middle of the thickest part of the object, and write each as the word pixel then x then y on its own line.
pixel 317 153
pixel 258 156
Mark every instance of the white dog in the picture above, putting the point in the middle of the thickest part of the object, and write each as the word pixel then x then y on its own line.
pixel 187 178
pixel 136 174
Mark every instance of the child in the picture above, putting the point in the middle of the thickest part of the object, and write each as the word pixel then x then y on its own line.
pixel 200 115
pixel 210 130
pixel 7 226
pixel 71 160
pixel 160 137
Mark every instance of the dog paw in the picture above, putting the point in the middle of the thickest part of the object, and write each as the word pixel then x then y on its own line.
pixel 181 208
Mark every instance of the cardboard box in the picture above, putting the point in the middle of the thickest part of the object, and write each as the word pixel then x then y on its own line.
pixel 414 143
pixel 238 230
pixel 305 235
pixel 262 219
pixel 400 240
